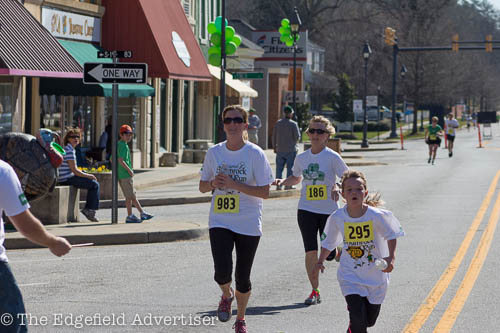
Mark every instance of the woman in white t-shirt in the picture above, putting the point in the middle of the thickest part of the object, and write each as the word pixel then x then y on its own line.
pixel 318 169
pixel 369 235
pixel 451 126
pixel 239 175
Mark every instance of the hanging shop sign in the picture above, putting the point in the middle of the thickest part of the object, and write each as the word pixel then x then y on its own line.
pixel 70 25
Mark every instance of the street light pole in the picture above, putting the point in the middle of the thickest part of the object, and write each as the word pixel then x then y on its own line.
pixel 295 28
pixel 404 70
pixel 366 54
pixel 394 79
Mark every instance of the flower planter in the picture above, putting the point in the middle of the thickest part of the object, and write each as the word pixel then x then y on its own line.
pixel 106 187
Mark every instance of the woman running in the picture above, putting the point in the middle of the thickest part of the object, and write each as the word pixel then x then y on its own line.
pixel 317 168
pixel 239 175
pixel 432 138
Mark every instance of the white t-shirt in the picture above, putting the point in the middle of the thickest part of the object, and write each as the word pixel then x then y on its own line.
pixel 318 169
pixel 365 240
pixel 248 165
pixel 450 126
pixel 12 200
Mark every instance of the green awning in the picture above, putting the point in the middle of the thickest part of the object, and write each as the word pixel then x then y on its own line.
pixel 86 52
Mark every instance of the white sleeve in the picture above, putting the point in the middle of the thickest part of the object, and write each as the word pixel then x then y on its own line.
pixel 207 172
pixel 389 226
pixel 331 237
pixel 263 173
pixel 297 168
pixel 12 198
pixel 339 166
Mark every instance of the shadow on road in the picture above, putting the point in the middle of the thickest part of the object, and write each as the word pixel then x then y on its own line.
pixel 260 310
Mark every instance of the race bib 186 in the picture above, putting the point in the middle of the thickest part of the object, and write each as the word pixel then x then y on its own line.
pixel 316 192
pixel 229 203
pixel 358 232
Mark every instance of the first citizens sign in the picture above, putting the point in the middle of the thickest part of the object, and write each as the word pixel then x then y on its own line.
pixel 96 73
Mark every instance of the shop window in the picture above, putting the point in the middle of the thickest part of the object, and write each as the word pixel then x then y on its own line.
pixel 6 107
pixel 128 113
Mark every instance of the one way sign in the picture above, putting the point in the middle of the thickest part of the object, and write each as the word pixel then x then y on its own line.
pixel 95 73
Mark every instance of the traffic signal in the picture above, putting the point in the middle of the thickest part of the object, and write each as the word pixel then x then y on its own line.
pixel 454 43
pixel 489 44
pixel 390 36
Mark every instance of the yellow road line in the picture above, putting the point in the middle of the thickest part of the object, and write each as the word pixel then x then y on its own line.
pixel 457 303
pixel 419 318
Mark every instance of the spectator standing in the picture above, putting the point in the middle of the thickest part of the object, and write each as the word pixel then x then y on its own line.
pixel 254 125
pixel 13 202
pixel 285 137
pixel 126 177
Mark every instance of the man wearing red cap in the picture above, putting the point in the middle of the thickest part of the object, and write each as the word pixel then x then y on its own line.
pixel 126 177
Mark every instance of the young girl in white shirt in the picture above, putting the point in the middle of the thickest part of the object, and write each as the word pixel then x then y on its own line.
pixel 369 236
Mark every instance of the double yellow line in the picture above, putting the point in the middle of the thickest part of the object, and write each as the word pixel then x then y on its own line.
pixel 455 307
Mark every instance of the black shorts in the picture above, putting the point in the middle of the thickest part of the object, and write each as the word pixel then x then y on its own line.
pixel 437 141
pixel 450 138
pixel 311 226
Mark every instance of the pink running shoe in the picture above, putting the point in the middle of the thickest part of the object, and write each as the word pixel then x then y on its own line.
pixel 224 312
pixel 240 326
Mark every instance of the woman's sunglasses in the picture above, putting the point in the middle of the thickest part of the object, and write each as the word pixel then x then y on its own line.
pixel 74 137
pixel 236 120
pixel 316 130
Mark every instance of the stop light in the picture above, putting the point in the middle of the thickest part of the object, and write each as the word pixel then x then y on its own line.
pixel 489 44
pixel 390 36
pixel 454 43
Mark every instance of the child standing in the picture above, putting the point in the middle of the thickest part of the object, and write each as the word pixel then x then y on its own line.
pixel 369 234
pixel 126 177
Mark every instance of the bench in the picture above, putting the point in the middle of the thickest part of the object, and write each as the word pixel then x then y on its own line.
pixel 199 144
pixel 58 207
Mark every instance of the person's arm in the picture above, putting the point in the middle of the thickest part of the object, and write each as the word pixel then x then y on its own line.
pixel 392 255
pixel 273 137
pixel 226 182
pixel 125 166
pixel 77 172
pixel 30 227
pixel 322 257
pixel 206 186
pixel 296 134
pixel 290 181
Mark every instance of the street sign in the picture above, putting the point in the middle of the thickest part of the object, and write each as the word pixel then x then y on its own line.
pixel 248 75
pixel 111 54
pixel 357 105
pixel 95 73
pixel 371 101
pixel 300 96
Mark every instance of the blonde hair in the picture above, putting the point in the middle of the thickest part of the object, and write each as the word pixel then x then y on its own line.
pixel 239 108
pixel 323 120
pixel 371 199
pixel 71 131
pixel 435 118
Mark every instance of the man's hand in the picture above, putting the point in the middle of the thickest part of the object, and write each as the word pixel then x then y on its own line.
pixel 60 246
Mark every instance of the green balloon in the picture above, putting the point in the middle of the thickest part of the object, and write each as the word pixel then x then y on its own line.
pixel 211 28
pixel 236 40
pixel 214 50
pixel 289 42
pixel 230 48
pixel 214 59
pixel 282 31
pixel 215 39
pixel 285 22
pixel 229 33
pixel 218 23
pixel 288 31
pixel 283 38
pixel 298 37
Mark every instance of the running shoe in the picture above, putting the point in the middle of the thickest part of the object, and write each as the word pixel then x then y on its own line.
pixel 432 162
pixel 224 312
pixel 146 216
pixel 450 154
pixel 89 214
pixel 132 219
pixel 240 326
pixel 314 298
pixel 429 160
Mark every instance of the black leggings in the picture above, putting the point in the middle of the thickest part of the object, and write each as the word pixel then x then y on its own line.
pixel 222 242
pixel 311 225
pixel 362 314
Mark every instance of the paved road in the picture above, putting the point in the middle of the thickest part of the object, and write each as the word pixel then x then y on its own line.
pixel 437 206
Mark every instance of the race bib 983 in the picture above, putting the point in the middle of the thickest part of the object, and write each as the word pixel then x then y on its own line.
pixel 229 203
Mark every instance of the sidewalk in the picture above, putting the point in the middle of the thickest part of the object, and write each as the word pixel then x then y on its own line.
pixel 157 187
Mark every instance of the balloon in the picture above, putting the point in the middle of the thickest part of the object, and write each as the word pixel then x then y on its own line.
pixel 229 33
pixel 236 40
pixel 218 23
pixel 288 31
pixel 215 39
pixel 282 31
pixel 298 37
pixel 214 59
pixel 211 28
pixel 283 38
pixel 230 48
pixel 214 50
pixel 289 42
pixel 285 22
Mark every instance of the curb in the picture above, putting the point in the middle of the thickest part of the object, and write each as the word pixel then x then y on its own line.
pixel 351 150
pixel 116 238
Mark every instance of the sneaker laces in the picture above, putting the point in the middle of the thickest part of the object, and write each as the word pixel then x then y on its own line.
pixel 313 294
pixel 240 326
pixel 225 304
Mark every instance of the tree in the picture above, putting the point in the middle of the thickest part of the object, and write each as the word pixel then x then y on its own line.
pixel 342 100
pixel 303 115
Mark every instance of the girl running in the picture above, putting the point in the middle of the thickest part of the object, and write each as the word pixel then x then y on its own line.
pixel 433 134
pixel 239 175
pixel 317 168
pixel 369 234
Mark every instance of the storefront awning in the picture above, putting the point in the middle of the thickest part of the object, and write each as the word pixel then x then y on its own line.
pixel 86 52
pixel 239 87
pixel 158 33
pixel 28 49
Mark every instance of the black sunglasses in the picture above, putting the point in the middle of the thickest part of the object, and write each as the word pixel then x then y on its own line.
pixel 236 120
pixel 74 137
pixel 316 130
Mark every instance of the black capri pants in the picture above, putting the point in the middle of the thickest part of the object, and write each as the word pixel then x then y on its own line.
pixel 362 314
pixel 222 242
pixel 311 225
